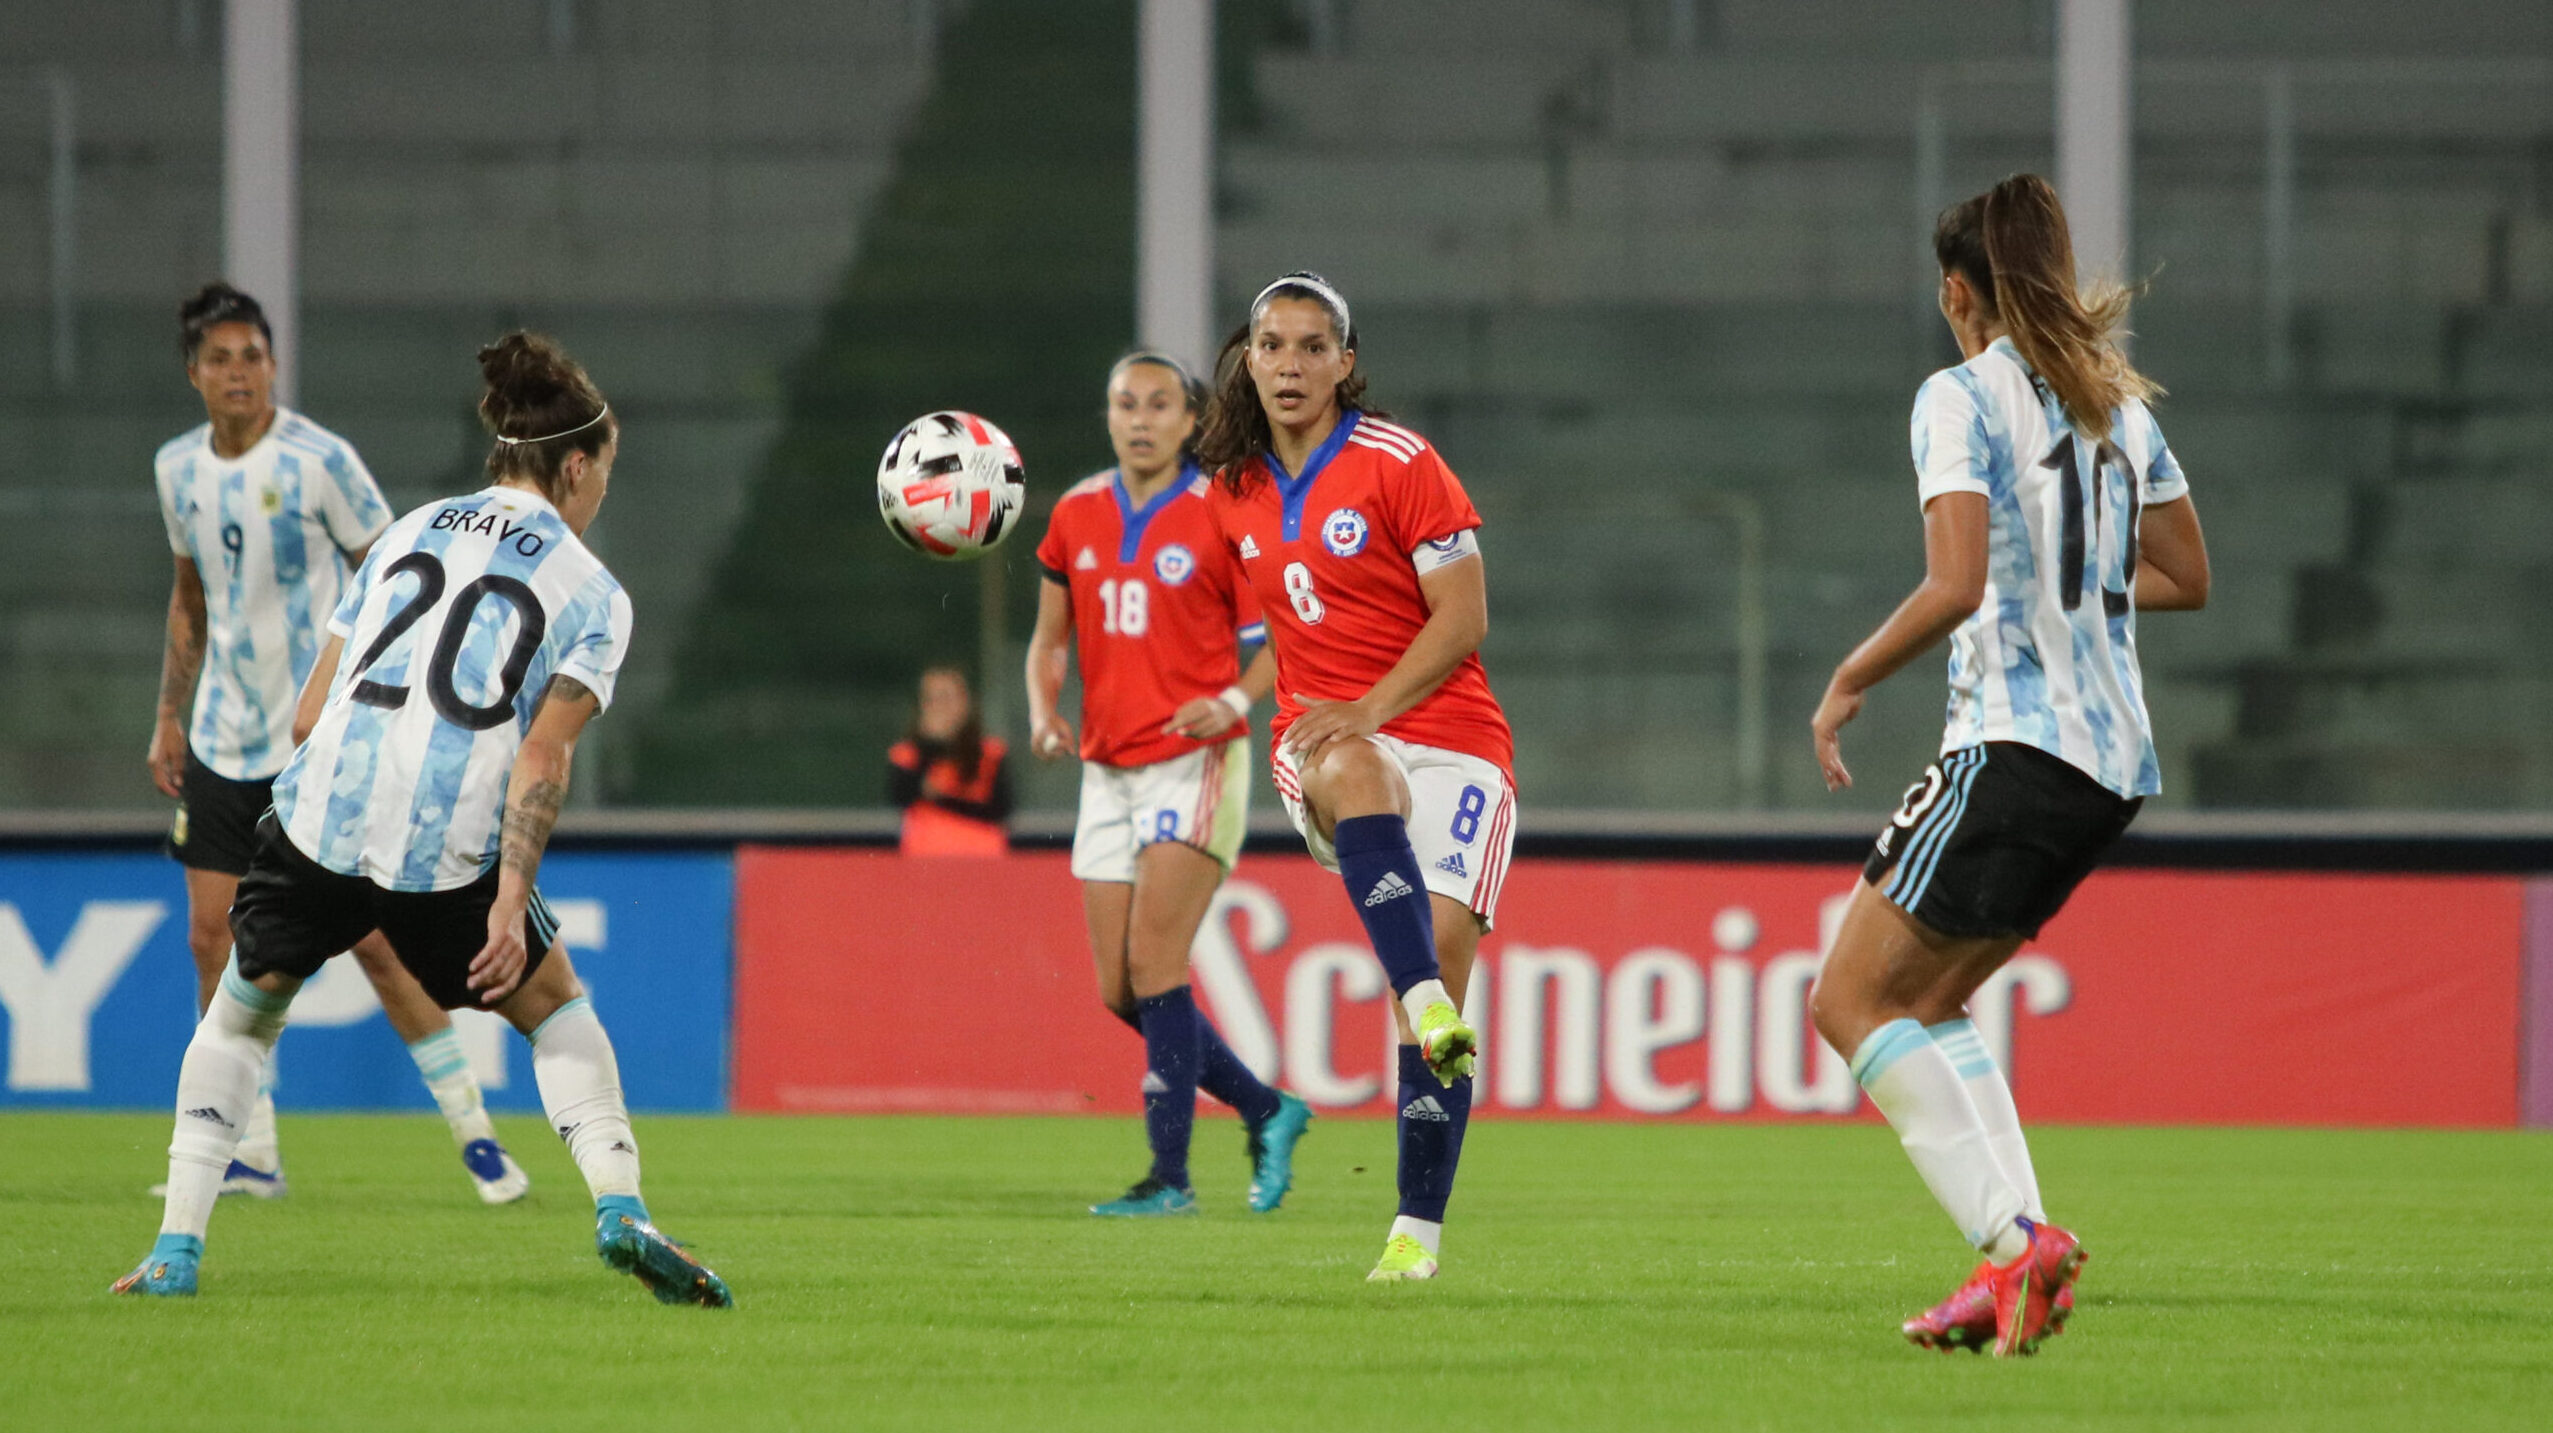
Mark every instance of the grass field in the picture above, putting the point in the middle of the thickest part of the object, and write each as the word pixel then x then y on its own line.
pixel 896 1273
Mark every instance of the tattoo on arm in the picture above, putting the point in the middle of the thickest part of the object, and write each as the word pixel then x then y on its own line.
pixel 529 815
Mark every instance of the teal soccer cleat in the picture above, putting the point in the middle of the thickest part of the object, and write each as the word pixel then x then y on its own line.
pixel 1272 1151
pixel 168 1273
pixel 628 1242
pixel 1149 1199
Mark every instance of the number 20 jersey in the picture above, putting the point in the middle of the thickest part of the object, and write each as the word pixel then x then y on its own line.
pixel 2049 659
pixel 453 627
pixel 1158 612
pixel 1335 556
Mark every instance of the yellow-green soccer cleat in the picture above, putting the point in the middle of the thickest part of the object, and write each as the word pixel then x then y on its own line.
pixel 1403 1258
pixel 1450 1047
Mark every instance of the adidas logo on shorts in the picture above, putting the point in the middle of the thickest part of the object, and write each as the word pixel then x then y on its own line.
pixel 1391 887
pixel 1426 1108
pixel 1453 865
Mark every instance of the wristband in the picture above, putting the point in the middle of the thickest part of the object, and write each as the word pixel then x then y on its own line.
pixel 1236 699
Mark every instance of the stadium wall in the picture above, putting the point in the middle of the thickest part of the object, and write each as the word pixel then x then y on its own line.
pixel 824 976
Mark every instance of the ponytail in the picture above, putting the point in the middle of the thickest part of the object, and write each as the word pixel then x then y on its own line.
pixel 2012 245
pixel 539 406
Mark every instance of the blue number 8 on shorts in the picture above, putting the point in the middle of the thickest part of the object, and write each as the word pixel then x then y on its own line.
pixel 1165 825
pixel 1467 813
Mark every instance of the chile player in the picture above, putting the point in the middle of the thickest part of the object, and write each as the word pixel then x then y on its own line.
pixel 1139 583
pixel 1392 756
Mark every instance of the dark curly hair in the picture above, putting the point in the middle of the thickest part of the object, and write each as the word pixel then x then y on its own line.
pixel 1236 429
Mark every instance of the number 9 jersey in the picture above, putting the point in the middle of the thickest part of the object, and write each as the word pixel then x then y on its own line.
pixel 453 627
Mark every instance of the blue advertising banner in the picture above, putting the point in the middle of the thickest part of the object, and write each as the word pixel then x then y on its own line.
pixel 97 992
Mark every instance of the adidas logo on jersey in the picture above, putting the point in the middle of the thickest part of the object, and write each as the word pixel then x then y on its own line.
pixel 1249 545
pixel 1453 865
pixel 1391 887
pixel 1426 1108
pixel 1086 561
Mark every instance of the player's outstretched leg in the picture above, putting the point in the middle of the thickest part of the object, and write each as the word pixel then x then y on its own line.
pixel 1173 1051
pixel 216 1090
pixel 580 1084
pixel 1390 895
pixel 1433 1119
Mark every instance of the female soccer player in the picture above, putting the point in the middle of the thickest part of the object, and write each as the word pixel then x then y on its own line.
pixel 1392 756
pixel 433 763
pixel 2053 511
pixel 951 781
pixel 274 510
pixel 1139 582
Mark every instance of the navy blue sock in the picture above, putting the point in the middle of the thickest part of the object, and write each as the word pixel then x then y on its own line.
pixel 1433 1118
pixel 1382 876
pixel 1222 1074
pixel 1171 1051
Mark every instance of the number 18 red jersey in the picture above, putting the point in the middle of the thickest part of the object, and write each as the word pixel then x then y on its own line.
pixel 1158 612
pixel 1335 556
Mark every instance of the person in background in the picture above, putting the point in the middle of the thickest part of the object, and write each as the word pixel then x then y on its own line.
pixel 949 778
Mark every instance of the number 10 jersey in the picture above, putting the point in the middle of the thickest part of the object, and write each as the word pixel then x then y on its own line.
pixel 454 626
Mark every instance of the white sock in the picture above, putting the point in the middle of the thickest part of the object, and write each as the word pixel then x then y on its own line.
pixel 1926 1102
pixel 1987 1088
pixel 1420 996
pixel 1430 1234
pixel 446 1071
pixel 216 1093
pixel 259 1147
pixel 581 1090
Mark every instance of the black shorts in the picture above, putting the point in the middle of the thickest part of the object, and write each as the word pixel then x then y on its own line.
pixel 216 825
pixel 1993 840
pixel 293 914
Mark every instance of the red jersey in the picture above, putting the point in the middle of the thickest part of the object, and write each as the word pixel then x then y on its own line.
pixel 1335 556
pixel 1159 611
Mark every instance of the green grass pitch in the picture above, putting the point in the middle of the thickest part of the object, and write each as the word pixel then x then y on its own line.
pixel 928 1273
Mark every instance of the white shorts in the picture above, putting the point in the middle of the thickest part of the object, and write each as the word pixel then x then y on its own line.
pixel 1201 800
pixel 1462 819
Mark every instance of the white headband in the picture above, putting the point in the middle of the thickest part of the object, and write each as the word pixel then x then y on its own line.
pixel 561 433
pixel 1329 296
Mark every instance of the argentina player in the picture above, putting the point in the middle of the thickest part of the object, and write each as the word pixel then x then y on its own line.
pixel 2053 513
pixel 266 513
pixel 477 640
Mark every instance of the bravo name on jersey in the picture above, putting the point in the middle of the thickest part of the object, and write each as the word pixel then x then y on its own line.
pixel 453 629
pixel 1335 556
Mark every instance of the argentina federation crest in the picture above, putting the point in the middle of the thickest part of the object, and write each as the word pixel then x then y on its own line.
pixel 1343 532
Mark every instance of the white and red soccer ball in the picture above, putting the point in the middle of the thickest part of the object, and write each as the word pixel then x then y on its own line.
pixel 951 485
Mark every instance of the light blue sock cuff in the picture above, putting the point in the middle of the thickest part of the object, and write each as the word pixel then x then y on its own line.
pixel 1886 1046
pixel 236 986
pixel 556 1015
pixel 439 1055
pixel 178 1246
pixel 1963 1046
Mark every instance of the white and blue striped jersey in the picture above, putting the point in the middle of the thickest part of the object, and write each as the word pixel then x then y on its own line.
pixel 2049 659
pixel 269 532
pixel 453 627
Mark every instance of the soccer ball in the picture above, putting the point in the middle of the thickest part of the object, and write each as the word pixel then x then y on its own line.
pixel 951 486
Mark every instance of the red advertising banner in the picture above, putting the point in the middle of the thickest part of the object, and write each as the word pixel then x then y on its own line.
pixel 868 981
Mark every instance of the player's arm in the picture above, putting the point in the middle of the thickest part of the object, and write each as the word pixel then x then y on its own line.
pixel 1050 653
pixel 1457 596
pixel 181 662
pixel 533 796
pixel 1954 584
pixel 2171 558
pixel 314 689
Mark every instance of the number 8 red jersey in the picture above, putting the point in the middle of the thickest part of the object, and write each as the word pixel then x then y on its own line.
pixel 1158 612
pixel 1335 557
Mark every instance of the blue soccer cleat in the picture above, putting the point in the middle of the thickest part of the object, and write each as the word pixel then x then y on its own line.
pixel 628 1242
pixel 169 1272
pixel 257 1183
pixel 1272 1151
pixel 1149 1199
pixel 499 1179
